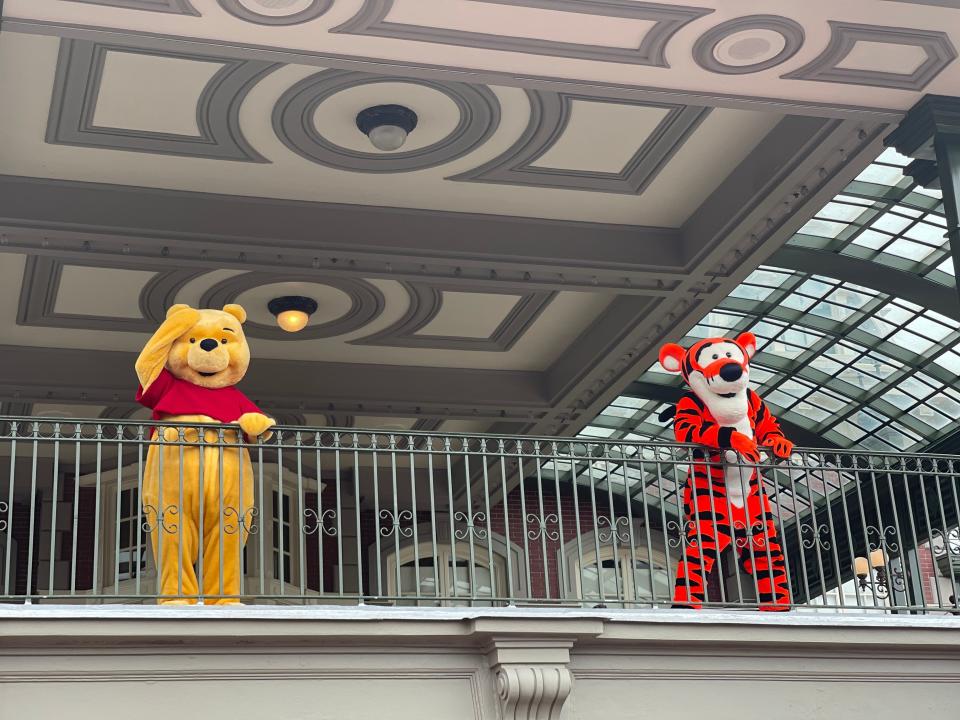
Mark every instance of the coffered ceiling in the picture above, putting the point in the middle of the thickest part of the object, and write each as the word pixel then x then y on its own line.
pixel 586 178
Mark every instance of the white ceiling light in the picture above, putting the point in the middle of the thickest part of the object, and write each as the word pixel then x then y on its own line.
pixel 387 126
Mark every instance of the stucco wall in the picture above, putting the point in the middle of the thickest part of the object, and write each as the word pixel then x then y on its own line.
pixel 326 663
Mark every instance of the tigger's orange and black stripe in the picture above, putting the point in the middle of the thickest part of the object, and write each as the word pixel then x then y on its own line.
pixel 712 522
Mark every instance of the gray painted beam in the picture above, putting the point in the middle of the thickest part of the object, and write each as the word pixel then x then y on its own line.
pixel 880 277
pixel 213 229
pixel 33 374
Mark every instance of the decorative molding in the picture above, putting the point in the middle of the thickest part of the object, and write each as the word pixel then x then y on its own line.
pixel 179 7
pixel 426 300
pixel 311 12
pixel 532 676
pixel 549 116
pixel 790 30
pixel 293 122
pixel 844 36
pixel 668 19
pixel 366 303
pixel 41 285
pixel 448 73
pixel 955 4
pixel 77 84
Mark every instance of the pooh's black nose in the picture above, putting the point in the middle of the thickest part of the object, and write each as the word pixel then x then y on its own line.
pixel 209 345
pixel 729 372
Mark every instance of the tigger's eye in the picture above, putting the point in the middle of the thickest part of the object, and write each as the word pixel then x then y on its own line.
pixel 729 355
pixel 716 357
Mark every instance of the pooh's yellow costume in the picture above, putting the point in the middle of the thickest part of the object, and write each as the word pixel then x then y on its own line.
pixel 198 487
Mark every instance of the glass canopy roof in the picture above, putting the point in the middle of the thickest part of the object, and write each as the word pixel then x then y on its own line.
pixel 858 367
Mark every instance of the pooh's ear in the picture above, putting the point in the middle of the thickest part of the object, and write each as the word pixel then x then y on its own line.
pixel 671 357
pixel 748 341
pixel 237 311
pixel 176 308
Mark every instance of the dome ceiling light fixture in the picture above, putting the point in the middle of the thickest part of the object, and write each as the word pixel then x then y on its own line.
pixel 292 311
pixel 387 126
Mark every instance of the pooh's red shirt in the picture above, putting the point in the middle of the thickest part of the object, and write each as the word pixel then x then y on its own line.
pixel 169 395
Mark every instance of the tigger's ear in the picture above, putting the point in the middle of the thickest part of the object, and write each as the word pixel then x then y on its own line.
pixel 748 341
pixel 671 357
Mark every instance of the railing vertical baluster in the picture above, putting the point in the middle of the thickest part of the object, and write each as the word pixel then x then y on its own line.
pixel 612 519
pixel 411 459
pixel 683 522
pixel 628 501
pixel 782 538
pixel 834 539
pixel 472 557
pixel 562 574
pixel 943 517
pixel 396 512
pixel 33 509
pixel 433 520
pixel 450 518
pixel 337 480
pixel 201 490
pixel 951 552
pixel 76 505
pixel 320 520
pixel 502 454
pixel 928 525
pixel 241 511
pixel 598 561
pixel 896 524
pixel 261 560
pixel 302 540
pixel 646 528
pixel 910 515
pixel 523 517
pixel 138 501
pixel 116 528
pixel 221 442
pixel 280 519
pixel 376 527
pixel 184 512
pixel 9 524
pixel 542 521
pixel 574 488
pixel 487 512
pixel 53 507
pixel 97 581
pixel 356 503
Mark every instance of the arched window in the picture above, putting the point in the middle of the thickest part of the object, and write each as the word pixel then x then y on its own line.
pixel 601 571
pixel 441 572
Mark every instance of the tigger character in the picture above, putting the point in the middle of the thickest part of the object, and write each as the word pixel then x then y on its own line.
pixel 724 501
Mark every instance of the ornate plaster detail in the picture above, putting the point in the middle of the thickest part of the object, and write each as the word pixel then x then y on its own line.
pixel 242 11
pixel 844 36
pixel 533 691
pixel 668 19
pixel 790 30
pixel 179 7
pixel 77 86
pixel 426 300
pixel 549 115
pixel 366 303
pixel 293 121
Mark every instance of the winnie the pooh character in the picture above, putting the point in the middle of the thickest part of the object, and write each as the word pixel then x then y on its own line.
pixel 198 487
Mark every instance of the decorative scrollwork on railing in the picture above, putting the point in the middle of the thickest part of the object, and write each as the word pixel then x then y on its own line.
pixel 881 538
pixel 818 536
pixel 541 528
pixel 607 535
pixel 395 523
pixel 242 523
pixel 159 518
pixel 940 543
pixel 754 535
pixel 685 534
pixel 473 525
pixel 3 521
pixel 319 522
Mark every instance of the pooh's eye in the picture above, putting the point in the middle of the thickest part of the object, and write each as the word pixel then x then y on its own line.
pixel 224 341
pixel 193 340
